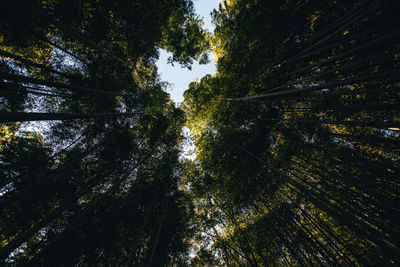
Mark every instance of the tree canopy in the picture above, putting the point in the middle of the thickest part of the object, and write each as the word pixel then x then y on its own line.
pixel 296 135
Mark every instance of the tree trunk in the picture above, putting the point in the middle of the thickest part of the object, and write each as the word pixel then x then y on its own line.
pixel 33 116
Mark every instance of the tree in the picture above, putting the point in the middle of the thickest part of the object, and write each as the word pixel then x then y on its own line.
pixel 294 135
pixel 102 179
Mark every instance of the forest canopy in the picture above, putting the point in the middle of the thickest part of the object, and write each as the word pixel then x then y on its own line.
pixel 296 136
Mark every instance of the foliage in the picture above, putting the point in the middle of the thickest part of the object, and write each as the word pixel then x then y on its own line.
pixel 99 189
pixel 296 136
pixel 296 157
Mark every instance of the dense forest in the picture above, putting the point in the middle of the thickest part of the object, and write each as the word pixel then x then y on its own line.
pixel 296 136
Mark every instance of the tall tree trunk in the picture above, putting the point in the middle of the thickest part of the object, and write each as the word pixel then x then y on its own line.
pixel 157 237
pixel 75 88
pixel 32 116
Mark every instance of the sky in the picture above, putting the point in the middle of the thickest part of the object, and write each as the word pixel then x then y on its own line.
pixel 179 77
